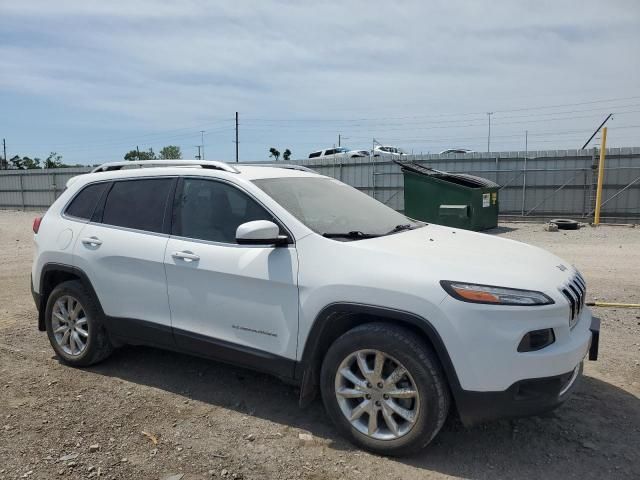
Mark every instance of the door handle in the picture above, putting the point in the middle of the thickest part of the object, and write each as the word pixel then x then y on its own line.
pixel 91 241
pixel 186 256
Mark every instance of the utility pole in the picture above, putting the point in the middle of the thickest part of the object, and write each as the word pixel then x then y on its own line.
pixel 202 143
pixel 199 157
pixel 138 152
pixel 489 134
pixel 4 147
pixel 339 140
pixel 236 137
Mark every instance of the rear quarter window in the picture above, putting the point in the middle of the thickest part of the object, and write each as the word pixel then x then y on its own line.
pixel 84 203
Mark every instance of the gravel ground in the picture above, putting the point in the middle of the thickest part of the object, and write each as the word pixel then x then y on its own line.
pixel 146 413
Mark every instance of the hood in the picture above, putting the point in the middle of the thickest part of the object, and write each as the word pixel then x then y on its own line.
pixel 445 253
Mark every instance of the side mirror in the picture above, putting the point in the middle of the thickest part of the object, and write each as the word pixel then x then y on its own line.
pixel 260 232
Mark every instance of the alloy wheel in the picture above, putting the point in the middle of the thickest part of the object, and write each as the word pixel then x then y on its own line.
pixel 377 394
pixel 69 325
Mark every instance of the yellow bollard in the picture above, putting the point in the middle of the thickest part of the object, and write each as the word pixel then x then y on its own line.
pixel 613 305
pixel 603 146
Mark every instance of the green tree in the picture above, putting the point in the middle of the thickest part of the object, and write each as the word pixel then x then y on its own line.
pixel 274 153
pixel 25 163
pixel 16 161
pixel 31 163
pixel 286 156
pixel 53 161
pixel 135 155
pixel 170 152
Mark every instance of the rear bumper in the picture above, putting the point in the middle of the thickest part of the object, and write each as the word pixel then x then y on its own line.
pixel 526 397
pixel 34 294
pixel 37 299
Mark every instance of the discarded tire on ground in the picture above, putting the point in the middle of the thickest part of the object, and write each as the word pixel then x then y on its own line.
pixel 565 223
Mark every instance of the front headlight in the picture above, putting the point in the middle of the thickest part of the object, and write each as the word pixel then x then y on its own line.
pixel 474 293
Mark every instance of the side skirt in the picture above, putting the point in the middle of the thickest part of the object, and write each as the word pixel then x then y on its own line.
pixel 140 332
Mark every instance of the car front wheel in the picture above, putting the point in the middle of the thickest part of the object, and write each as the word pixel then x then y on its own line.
pixel 384 389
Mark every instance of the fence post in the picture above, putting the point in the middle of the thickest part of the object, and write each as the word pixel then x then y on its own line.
pixel 524 184
pixel 373 178
pixel 584 194
pixel 53 184
pixel 594 165
pixel 21 191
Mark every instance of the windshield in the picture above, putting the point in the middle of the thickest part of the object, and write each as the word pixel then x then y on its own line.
pixel 328 206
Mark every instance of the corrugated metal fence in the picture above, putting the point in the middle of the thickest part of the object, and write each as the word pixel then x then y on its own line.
pixel 34 189
pixel 547 183
pixel 533 184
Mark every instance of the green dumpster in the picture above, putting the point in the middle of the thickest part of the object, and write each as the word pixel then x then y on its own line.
pixel 452 199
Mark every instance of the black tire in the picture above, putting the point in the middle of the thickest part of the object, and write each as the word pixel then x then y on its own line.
pixel 98 346
pixel 421 362
pixel 565 224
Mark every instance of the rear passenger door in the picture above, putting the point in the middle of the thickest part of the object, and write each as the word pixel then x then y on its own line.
pixel 225 296
pixel 122 250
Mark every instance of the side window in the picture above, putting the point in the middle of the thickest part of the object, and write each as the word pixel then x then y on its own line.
pixel 331 151
pixel 212 210
pixel 138 204
pixel 84 203
pixel 314 154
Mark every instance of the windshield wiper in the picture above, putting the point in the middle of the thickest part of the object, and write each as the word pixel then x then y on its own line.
pixel 354 234
pixel 401 228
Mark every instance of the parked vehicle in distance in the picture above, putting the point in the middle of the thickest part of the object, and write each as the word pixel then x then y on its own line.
pixel 396 323
pixel 338 152
pixel 388 151
pixel 456 150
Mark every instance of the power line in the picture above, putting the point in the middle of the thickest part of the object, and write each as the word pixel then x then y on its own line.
pixel 188 131
pixel 320 119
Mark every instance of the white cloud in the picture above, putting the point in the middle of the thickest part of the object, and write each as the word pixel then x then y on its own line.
pixel 166 64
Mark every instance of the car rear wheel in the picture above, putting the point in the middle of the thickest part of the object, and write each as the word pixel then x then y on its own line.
pixel 384 389
pixel 74 325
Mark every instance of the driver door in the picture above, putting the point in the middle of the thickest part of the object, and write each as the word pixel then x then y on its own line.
pixel 230 301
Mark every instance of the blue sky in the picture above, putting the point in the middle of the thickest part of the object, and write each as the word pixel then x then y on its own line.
pixel 91 80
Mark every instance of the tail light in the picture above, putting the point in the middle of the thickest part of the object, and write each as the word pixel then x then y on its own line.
pixel 36 224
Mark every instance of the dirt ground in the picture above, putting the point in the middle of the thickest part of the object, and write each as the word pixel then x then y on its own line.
pixel 211 420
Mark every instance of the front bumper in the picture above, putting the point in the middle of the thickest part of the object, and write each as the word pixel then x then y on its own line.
pixel 525 397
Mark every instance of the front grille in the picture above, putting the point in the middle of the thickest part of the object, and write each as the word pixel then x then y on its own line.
pixel 575 291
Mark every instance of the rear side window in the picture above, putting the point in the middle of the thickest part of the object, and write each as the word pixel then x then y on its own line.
pixel 314 154
pixel 84 203
pixel 138 204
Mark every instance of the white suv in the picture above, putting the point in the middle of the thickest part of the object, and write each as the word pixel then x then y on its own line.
pixel 394 321
pixel 338 152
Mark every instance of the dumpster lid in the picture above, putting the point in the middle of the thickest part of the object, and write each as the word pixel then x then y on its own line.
pixel 463 179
